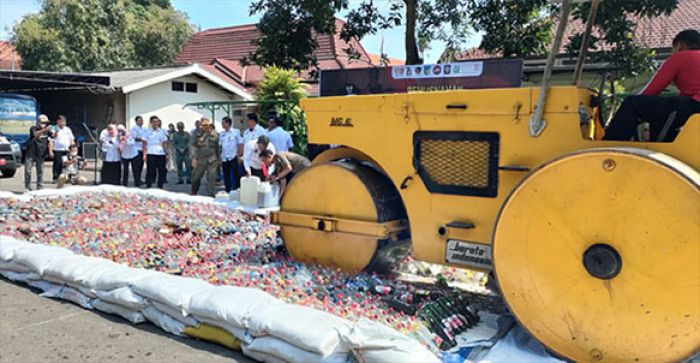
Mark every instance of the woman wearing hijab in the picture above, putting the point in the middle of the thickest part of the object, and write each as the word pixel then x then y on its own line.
pixel 129 151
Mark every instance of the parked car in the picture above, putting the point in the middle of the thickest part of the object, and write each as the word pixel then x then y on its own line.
pixel 10 157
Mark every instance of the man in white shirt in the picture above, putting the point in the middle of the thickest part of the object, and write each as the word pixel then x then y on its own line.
pixel 253 131
pixel 231 143
pixel 129 153
pixel 155 153
pixel 278 136
pixel 111 160
pixel 138 132
pixel 251 156
pixel 61 140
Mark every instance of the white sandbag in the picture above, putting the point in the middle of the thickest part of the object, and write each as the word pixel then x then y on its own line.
pixel 163 321
pixel 176 314
pixel 74 268
pixel 8 247
pixel 306 328
pixel 260 356
pixel 14 267
pixel 38 257
pixel 123 296
pixel 135 317
pixel 43 285
pixel 69 294
pixel 374 342
pixel 84 290
pixel 15 276
pixel 239 333
pixel 230 304
pixel 174 291
pixel 290 353
pixel 109 276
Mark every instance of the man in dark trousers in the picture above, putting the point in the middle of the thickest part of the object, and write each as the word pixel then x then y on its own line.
pixel 36 149
pixel 155 153
pixel 205 154
pixel 139 134
pixel 682 69
pixel 181 148
pixel 231 143
pixel 61 140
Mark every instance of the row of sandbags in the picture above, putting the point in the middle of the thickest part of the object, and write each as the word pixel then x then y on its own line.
pixel 266 328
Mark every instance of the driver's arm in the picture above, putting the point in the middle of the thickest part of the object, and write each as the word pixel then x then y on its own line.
pixel 663 77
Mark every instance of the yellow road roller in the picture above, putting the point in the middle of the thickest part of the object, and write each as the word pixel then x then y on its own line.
pixel 595 244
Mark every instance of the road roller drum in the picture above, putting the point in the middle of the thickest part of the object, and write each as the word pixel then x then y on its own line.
pixel 343 214
pixel 597 254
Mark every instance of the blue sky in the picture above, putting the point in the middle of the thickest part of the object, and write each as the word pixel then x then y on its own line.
pixel 208 14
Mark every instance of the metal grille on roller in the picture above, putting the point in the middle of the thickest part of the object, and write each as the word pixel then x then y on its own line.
pixel 456 163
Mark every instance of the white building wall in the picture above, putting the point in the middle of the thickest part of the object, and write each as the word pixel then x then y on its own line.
pixel 162 101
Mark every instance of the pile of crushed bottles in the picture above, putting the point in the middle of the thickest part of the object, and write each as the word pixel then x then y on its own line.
pixel 223 246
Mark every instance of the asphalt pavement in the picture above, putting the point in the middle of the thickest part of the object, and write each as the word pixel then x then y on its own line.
pixel 38 329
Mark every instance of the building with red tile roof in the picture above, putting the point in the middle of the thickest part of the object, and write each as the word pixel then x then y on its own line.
pixel 377 60
pixel 655 33
pixel 9 58
pixel 223 48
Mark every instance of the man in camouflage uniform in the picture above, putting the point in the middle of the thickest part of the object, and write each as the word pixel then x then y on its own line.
pixel 205 153
pixel 181 145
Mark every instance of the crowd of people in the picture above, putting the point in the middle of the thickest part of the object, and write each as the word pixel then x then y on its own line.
pixel 195 155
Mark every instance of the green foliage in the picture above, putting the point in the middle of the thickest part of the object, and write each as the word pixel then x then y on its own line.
pixel 614 30
pixel 524 28
pixel 443 20
pixel 159 35
pixel 513 28
pixel 94 35
pixel 287 27
pixel 281 84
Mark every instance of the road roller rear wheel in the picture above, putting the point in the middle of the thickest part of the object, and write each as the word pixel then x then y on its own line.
pixel 346 190
pixel 597 254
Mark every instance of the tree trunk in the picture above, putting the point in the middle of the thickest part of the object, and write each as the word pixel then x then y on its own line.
pixel 412 56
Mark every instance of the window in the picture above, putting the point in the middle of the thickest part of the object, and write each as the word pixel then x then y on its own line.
pixel 184 87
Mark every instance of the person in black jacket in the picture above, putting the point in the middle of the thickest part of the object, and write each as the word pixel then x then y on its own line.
pixel 37 147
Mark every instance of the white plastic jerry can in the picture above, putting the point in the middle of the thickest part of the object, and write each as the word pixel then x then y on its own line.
pixel 249 190
pixel 266 197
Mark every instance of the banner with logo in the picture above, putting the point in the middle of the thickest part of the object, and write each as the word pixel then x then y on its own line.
pixel 492 73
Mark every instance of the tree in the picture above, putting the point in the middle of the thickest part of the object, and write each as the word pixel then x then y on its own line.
pixel 613 38
pixel 158 36
pixel 513 28
pixel 524 28
pixel 280 84
pixel 95 35
pixel 288 26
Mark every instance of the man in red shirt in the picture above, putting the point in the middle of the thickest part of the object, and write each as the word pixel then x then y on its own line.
pixel 683 70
